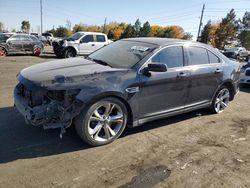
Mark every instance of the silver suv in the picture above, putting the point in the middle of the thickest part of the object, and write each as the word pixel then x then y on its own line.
pixel 80 43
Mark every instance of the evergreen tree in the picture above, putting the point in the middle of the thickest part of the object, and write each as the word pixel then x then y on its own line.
pixel 227 30
pixel 145 30
pixel 204 38
pixel 25 26
pixel 244 36
pixel 137 28
pixel 128 32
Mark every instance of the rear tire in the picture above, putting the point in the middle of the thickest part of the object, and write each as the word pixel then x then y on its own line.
pixel 102 122
pixel 221 100
pixel 37 51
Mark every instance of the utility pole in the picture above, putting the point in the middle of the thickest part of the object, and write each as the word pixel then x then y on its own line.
pixel 104 26
pixel 198 36
pixel 41 11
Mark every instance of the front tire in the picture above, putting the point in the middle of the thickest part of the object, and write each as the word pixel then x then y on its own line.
pixel 3 52
pixel 102 122
pixel 69 53
pixel 221 100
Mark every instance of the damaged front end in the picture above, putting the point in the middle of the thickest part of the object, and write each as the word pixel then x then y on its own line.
pixel 51 109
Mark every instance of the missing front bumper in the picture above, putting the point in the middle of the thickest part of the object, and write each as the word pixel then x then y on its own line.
pixel 49 115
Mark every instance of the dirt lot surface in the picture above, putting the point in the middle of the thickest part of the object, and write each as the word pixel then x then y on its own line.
pixel 197 149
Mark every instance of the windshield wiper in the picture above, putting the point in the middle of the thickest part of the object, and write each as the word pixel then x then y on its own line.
pixel 101 62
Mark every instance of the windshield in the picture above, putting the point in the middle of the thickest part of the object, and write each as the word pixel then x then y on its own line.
pixel 122 54
pixel 76 36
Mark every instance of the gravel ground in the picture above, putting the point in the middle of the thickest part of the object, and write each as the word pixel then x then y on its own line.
pixel 196 149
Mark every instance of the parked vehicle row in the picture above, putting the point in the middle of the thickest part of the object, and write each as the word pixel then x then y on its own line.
pixel 126 83
pixel 80 43
pixel 19 43
pixel 236 53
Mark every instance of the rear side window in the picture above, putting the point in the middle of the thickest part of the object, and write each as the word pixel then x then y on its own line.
pixel 87 38
pixel 33 38
pixel 197 56
pixel 25 38
pixel 171 56
pixel 213 58
pixel 100 38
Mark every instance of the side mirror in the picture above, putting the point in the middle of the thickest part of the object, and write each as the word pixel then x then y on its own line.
pixel 156 67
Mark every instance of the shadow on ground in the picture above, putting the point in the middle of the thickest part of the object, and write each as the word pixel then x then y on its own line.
pixel 21 141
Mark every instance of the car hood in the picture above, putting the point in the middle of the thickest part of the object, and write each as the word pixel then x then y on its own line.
pixel 68 71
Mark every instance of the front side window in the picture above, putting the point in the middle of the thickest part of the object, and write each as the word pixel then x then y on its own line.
pixel 197 56
pixel 87 38
pixel 100 38
pixel 171 56
pixel 213 58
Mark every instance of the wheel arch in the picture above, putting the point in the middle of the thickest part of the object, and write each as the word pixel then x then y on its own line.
pixel 90 100
pixel 229 84
pixel 73 48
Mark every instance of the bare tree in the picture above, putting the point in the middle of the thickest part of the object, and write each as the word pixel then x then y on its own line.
pixel 68 25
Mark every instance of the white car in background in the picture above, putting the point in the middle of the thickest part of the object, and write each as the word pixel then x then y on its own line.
pixel 245 74
pixel 80 43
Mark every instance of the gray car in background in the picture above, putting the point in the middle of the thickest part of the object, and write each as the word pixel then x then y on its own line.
pixel 19 44
pixel 127 83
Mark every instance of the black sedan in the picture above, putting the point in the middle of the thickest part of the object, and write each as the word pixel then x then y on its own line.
pixel 126 83
pixel 19 43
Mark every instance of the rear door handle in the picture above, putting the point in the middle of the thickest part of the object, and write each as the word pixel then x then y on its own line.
pixel 182 75
pixel 217 71
pixel 93 45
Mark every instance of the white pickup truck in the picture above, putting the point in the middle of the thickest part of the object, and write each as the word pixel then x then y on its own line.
pixel 80 43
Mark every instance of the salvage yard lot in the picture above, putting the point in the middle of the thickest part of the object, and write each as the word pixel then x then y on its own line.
pixel 198 149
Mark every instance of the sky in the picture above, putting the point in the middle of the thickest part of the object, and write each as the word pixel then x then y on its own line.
pixel 185 13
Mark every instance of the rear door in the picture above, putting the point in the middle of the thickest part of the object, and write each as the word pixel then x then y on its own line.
pixel 205 75
pixel 100 41
pixel 164 92
pixel 27 43
pixel 87 44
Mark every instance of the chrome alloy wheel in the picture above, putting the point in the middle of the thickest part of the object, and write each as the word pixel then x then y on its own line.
pixel 105 122
pixel 222 100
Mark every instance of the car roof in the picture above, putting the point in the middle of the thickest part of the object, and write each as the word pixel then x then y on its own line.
pixel 163 41
pixel 87 32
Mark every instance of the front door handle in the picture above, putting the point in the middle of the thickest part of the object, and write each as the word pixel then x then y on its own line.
pixel 93 45
pixel 217 71
pixel 182 75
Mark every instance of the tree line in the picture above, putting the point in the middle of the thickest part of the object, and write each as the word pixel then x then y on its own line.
pixel 117 31
pixel 227 31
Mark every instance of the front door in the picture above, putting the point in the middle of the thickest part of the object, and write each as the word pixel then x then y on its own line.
pixel 87 44
pixel 164 92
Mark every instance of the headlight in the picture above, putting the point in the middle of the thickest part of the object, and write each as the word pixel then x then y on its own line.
pixel 64 43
